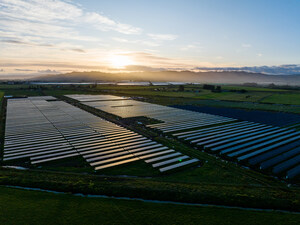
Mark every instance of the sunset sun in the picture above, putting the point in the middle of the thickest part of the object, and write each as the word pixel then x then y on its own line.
pixel 120 61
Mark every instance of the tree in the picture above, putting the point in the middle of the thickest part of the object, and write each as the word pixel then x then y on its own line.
pixel 209 87
pixel 181 88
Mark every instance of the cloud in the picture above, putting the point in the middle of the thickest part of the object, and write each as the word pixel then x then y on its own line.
pixel 191 47
pixel 259 54
pixel 48 71
pixel 59 45
pixel 121 40
pixel 40 11
pixel 51 64
pixel 292 69
pixel 157 61
pixel 14 42
pixel 246 45
pixel 47 45
pixel 142 42
pixel 104 23
pixel 18 42
pixel 146 56
pixel 163 37
pixel 78 50
pixel 34 31
pixel 23 70
pixel 143 68
pixel 59 19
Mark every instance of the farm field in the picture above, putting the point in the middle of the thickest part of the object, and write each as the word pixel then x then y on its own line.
pixel 229 93
pixel 35 207
pixel 292 99
pixel 176 187
pixel 223 182
pixel 250 106
pixel 1 97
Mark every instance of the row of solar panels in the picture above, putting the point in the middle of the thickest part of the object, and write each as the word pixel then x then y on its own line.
pixel 263 146
pixel 89 98
pixel 122 145
pixel 29 133
pixel 281 119
pixel 46 131
pixel 172 119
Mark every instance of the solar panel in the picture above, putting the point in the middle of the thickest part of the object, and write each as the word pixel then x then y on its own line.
pixel 274 152
pixel 181 164
pixel 162 157
pixel 282 157
pixel 293 172
pixel 286 164
pixel 178 159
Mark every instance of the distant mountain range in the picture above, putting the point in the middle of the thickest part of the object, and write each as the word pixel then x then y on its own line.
pixel 231 77
pixel 287 69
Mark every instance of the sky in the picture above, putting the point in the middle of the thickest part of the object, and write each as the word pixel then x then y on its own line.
pixel 58 36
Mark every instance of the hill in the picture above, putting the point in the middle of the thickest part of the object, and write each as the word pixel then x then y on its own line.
pixel 167 76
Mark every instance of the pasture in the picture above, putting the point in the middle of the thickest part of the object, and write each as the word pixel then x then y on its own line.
pixel 34 207
pixel 213 181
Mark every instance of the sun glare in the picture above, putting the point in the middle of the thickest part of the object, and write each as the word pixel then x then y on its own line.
pixel 120 61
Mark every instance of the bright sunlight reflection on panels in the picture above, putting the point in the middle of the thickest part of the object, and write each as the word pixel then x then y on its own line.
pixel 172 119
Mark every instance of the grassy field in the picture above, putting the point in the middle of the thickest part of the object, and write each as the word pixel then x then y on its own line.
pixel 216 181
pixel 196 92
pixel 181 187
pixel 34 207
pixel 229 93
pixel 249 106
pixel 255 99
pixel 2 122
pixel 1 97
pixel 288 98
pixel 259 89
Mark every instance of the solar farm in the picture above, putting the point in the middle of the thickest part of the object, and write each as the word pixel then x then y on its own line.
pixel 115 141
pixel 41 129
pixel 172 119
pixel 268 148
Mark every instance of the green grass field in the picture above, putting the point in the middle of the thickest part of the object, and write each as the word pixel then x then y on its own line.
pixel 248 105
pixel 214 182
pixel 35 207
pixel 195 92
pixel 1 97
pixel 288 98
pixel 1 121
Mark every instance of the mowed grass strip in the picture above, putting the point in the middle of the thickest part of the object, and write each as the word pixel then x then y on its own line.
pixel 286 98
pixel 1 96
pixel 36 207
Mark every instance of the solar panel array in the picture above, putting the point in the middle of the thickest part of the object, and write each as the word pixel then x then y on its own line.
pixel 29 133
pixel 266 147
pixel 90 98
pixel 281 119
pixel 45 131
pixel 172 119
